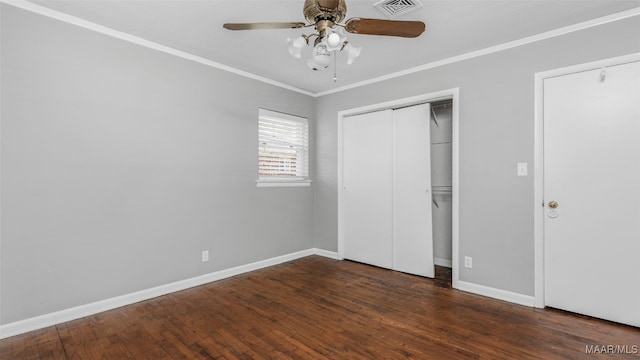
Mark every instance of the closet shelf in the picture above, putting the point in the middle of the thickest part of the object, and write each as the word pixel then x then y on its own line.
pixel 439 190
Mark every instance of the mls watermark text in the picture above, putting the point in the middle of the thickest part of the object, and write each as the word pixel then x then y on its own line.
pixel 611 349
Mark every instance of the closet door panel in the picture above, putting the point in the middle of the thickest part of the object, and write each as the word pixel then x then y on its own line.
pixel 412 225
pixel 367 192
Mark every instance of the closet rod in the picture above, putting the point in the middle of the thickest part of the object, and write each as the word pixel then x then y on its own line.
pixel 389 108
pixel 438 192
pixel 438 103
pixel 442 189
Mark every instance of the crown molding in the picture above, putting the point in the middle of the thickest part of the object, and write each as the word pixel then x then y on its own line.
pixel 42 10
pixel 493 49
pixel 73 20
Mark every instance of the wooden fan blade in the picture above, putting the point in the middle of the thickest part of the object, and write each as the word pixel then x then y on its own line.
pixel 263 25
pixel 400 28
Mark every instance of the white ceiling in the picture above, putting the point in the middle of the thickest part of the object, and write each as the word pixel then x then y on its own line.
pixel 454 27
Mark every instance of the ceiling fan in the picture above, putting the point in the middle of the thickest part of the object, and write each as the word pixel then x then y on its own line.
pixel 326 16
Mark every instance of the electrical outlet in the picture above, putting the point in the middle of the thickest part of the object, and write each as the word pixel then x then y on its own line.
pixel 205 255
pixel 468 262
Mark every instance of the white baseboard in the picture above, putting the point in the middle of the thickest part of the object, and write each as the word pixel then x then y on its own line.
pixel 442 262
pixel 326 253
pixel 509 296
pixel 42 321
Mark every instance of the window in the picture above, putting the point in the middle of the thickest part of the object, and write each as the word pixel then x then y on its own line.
pixel 283 149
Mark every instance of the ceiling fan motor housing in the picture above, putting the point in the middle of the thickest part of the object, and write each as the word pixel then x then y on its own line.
pixel 332 10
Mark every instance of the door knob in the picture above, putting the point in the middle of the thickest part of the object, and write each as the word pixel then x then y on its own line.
pixel 553 204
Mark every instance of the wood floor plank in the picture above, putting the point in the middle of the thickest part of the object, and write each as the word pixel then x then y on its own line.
pixel 40 344
pixel 318 308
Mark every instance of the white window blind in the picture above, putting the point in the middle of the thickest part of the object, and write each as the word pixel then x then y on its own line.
pixel 283 146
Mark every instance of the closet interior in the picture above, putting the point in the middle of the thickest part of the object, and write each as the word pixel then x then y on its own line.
pixel 441 181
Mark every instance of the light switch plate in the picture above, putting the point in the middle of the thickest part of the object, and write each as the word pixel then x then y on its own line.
pixel 522 169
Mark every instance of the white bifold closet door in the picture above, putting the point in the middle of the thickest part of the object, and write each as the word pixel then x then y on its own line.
pixel 412 218
pixel 368 184
pixel 387 190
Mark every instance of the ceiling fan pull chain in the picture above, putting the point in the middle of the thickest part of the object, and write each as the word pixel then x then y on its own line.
pixel 335 66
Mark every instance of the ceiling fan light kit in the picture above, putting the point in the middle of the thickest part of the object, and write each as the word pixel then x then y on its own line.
pixel 324 49
pixel 330 37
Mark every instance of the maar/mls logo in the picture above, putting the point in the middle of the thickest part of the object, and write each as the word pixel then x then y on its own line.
pixel 611 349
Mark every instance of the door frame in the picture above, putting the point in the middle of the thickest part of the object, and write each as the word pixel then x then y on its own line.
pixel 453 95
pixel 538 160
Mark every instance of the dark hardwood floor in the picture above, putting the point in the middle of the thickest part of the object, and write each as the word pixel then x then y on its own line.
pixel 317 308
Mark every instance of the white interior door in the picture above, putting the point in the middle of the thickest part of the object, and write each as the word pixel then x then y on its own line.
pixel 367 188
pixel 592 171
pixel 412 224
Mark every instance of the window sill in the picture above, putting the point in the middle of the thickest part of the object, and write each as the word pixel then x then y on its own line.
pixel 283 183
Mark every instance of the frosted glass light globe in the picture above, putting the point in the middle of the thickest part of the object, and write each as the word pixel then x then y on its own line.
pixel 295 46
pixel 333 39
pixel 321 55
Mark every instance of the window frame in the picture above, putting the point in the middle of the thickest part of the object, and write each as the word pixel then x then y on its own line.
pixel 284 181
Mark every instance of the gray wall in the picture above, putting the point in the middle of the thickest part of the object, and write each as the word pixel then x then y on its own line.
pixel 496 132
pixel 120 164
